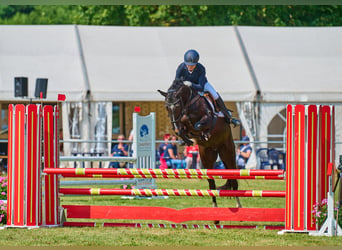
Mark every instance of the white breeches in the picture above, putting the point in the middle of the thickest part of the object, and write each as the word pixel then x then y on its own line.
pixel 211 90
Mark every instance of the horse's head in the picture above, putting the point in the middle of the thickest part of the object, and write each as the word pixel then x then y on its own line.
pixel 178 90
pixel 190 115
pixel 175 99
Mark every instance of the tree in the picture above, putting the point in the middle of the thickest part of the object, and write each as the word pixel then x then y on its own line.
pixel 174 15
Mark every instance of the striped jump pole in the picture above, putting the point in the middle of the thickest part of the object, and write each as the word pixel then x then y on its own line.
pixel 178 176
pixel 309 150
pixel 171 192
pixel 167 173
pixel 159 225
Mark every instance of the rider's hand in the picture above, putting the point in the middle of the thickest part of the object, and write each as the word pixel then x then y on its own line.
pixel 187 83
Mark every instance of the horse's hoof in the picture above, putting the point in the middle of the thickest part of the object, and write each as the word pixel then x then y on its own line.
pixel 224 187
pixel 236 122
pixel 198 126
pixel 181 143
pixel 205 136
pixel 189 143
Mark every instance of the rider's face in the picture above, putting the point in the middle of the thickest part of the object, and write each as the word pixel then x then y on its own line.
pixel 191 67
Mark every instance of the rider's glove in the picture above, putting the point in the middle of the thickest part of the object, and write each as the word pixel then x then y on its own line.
pixel 187 83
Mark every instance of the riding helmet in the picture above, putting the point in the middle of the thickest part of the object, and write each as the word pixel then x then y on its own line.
pixel 191 57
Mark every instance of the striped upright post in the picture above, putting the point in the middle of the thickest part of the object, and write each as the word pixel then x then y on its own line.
pixel 326 149
pixel 33 184
pixel 24 161
pixel 51 160
pixel 25 137
pixel 310 147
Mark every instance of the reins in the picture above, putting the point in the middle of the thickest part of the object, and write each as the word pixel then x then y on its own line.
pixel 183 107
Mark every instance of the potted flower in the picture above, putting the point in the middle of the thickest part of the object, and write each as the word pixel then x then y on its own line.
pixel 3 200
pixel 320 213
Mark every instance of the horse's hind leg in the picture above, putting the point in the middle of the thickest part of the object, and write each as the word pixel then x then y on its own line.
pixel 212 185
pixel 227 155
pixel 208 158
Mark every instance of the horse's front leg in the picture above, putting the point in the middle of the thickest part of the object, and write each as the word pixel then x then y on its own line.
pixel 203 124
pixel 183 131
pixel 186 139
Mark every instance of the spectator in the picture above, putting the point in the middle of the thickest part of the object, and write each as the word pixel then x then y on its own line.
pixel 161 151
pixel 131 135
pixel 171 155
pixel 163 145
pixel 191 152
pixel 131 146
pixel 243 153
pixel 118 150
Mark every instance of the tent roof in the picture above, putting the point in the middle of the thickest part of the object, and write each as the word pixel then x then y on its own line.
pixel 41 52
pixel 131 63
pixel 296 64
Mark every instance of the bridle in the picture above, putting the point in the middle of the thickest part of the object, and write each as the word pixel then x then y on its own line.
pixel 183 105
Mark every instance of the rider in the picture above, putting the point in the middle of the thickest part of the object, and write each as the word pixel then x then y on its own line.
pixel 193 75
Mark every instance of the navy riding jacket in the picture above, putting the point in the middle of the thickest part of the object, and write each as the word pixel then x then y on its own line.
pixel 197 76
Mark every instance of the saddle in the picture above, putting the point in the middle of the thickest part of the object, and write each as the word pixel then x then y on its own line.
pixel 212 103
pixel 211 100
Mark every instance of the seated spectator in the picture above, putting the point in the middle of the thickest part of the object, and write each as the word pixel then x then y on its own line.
pixel 171 155
pixel 161 151
pixel 118 150
pixel 130 147
pixel 243 153
pixel 191 152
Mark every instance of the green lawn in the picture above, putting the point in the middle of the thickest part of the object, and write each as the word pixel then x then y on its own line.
pixel 100 236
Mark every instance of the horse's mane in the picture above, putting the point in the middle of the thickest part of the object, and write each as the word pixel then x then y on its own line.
pixel 176 84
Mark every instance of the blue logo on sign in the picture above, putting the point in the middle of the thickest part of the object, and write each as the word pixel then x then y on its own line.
pixel 143 130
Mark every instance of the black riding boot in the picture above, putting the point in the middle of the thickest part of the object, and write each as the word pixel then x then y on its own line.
pixel 226 112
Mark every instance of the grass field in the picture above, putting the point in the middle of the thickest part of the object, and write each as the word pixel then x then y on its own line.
pixel 100 236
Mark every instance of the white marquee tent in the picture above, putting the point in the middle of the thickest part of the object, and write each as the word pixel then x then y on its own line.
pixel 295 65
pixel 260 68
